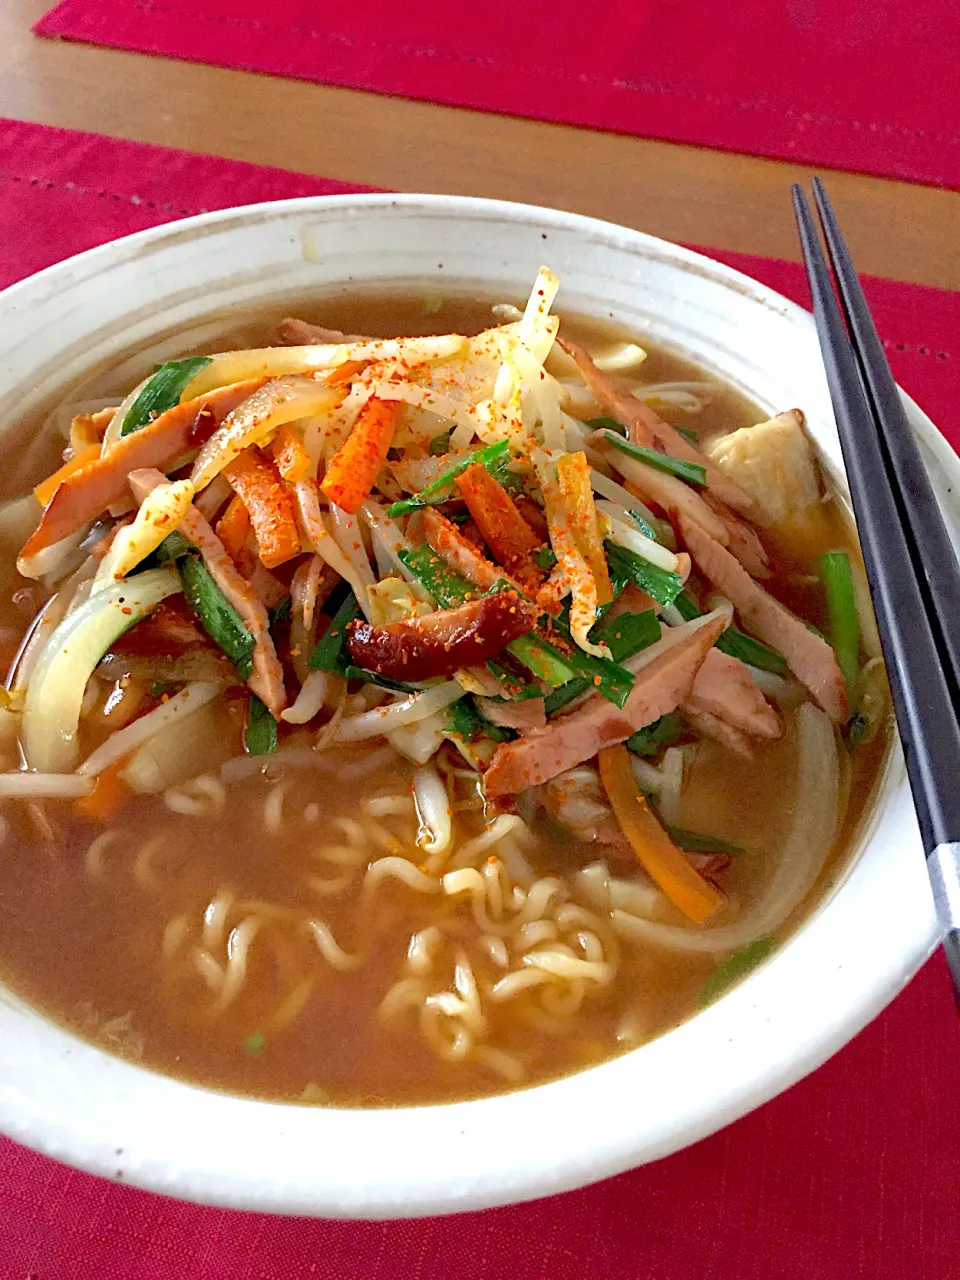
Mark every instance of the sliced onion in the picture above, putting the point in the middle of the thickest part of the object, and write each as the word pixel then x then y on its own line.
pixel 257 418
pixel 690 397
pixel 628 535
pixel 456 411
pixel 419 741
pixel 627 356
pixel 121 743
pixel 383 720
pixel 276 362
pixel 800 859
pixel 112 433
pixel 55 691
pixel 48 786
pixel 617 493
pixel 786 692
pixel 160 510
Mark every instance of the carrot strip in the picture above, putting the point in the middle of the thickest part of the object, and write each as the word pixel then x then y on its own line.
pixel 663 860
pixel 47 488
pixel 345 372
pixel 108 794
pixel 269 504
pixel 354 468
pixel 573 474
pixel 504 529
pixel 233 527
pixel 290 453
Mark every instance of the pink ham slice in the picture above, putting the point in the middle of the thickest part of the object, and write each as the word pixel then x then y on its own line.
pixel 266 679
pixel 710 726
pixel 300 333
pixel 443 536
pixel 742 539
pixel 647 428
pixel 726 704
pixel 661 686
pixel 808 656
pixel 88 493
pixel 668 492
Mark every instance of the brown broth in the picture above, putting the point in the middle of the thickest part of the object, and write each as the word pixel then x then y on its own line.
pixel 81 935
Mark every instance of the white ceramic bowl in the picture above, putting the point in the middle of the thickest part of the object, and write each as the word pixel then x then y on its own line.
pixel 82 1106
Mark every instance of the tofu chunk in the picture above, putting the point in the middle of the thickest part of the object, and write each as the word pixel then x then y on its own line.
pixel 774 463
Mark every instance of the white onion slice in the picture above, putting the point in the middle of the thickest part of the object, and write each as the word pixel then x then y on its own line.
pixel 627 356
pixel 121 743
pixel 419 741
pixel 629 536
pixel 55 691
pixel 617 493
pixel 112 433
pixel 256 419
pixel 383 720
pixel 276 362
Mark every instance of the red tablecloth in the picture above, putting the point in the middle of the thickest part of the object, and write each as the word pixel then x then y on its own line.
pixel 870 87
pixel 854 1174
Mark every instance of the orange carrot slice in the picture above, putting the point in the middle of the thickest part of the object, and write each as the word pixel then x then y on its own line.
pixel 663 860
pixel 354 468
pixel 108 794
pixel 504 529
pixel 269 504
pixel 47 488
pixel 290 453
pixel 573 474
pixel 233 527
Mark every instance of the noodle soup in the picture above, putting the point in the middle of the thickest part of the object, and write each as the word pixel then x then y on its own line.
pixel 403 881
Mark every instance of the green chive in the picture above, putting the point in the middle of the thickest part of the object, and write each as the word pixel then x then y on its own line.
pixel 695 842
pixel 162 392
pixel 844 626
pixel 491 456
pixel 280 611
pixel 626 566
pixel 651 740
pixel 328 654
pixel 260 737
pixel 216 614
pixel 735 643
pixel 735 968
pixel 692 472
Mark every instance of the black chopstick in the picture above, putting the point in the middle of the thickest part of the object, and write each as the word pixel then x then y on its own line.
pixel 934 549
pixel 894 506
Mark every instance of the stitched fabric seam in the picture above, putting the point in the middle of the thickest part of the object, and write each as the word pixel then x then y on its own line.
pixel 629 86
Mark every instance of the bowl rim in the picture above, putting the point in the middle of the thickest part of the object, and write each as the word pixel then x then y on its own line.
pixel 96 1153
